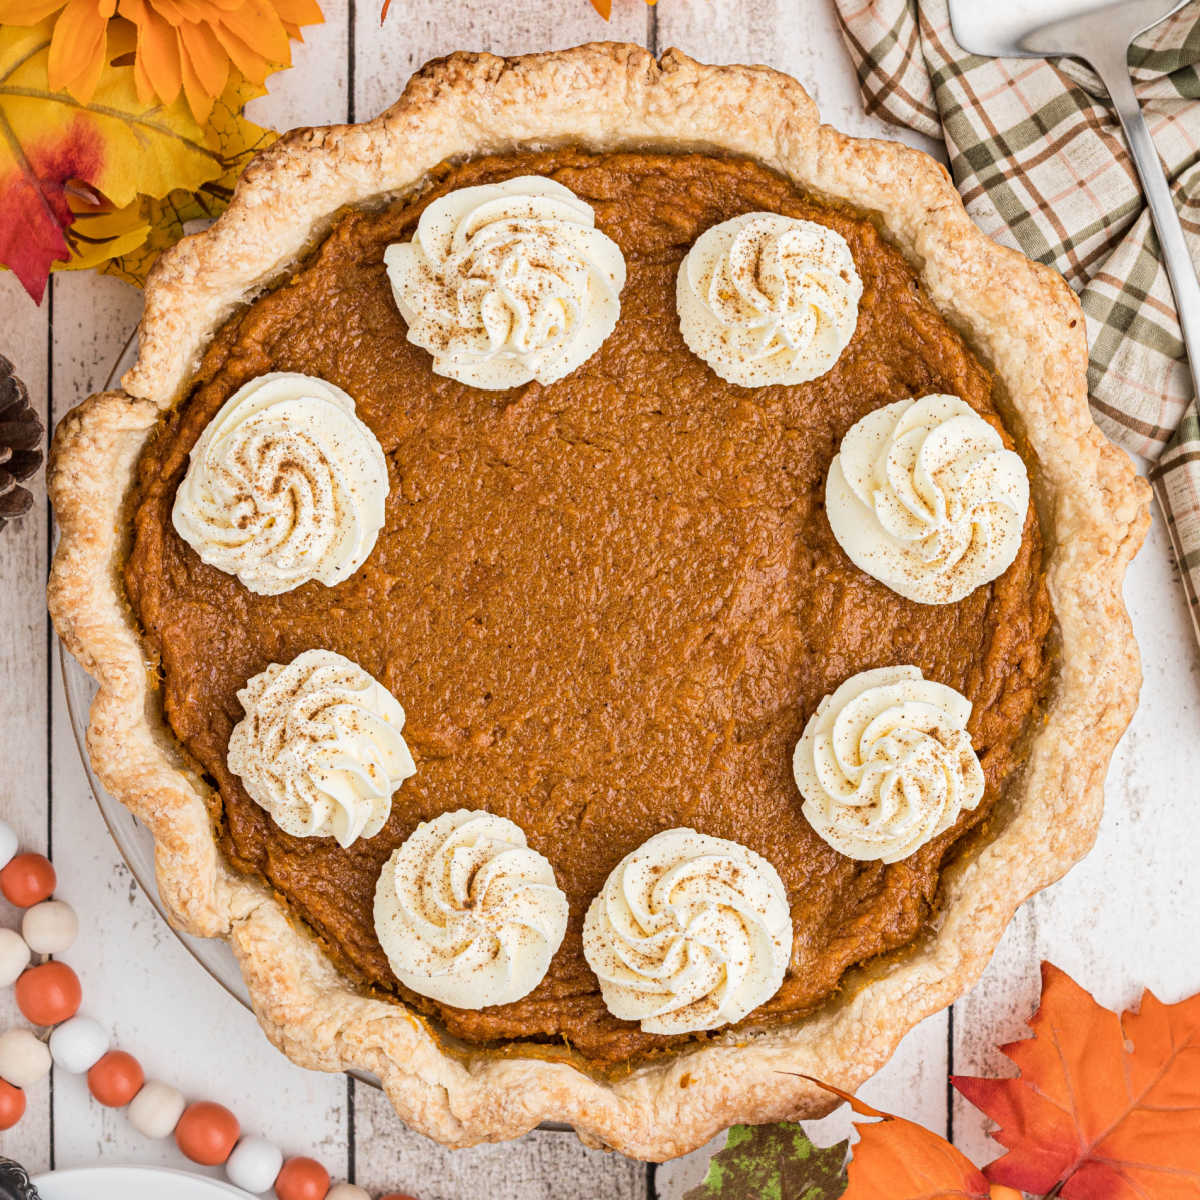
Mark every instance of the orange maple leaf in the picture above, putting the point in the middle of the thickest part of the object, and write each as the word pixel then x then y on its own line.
pixel 1107 1107
pixel 901 1160
pixel 604 7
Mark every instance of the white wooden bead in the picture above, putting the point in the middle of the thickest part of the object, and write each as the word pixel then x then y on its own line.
pixel 78 1044
pixel 254 1165
pixel 347 1191
pixel 14 956
pixel 23 1059
pixel 155 1110
pixel 8 844
pixel 50 927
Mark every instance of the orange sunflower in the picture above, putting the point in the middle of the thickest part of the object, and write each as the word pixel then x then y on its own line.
pixel 181 45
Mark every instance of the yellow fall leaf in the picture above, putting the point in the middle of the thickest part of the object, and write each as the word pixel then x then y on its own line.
pixel 99 235
pixel 127 242
pixel 62 161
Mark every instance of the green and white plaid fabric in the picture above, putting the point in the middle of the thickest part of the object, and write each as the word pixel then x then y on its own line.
pixel 1041 164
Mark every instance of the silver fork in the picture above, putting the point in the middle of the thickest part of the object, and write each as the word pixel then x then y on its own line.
pixel 1101 37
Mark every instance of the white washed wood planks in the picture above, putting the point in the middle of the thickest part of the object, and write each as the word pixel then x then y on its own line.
pixel 543 1165
pixel 23 680
pixel 797 36
pixel 1123 918
pixel 419 30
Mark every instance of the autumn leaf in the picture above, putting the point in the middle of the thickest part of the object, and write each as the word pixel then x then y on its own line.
pixel 1107 1107
pixel 604 7
pixel 100 234
pixel 897 1159
pixel 117 148
pixel 177 47
pixel 773 1162
pixel 128 241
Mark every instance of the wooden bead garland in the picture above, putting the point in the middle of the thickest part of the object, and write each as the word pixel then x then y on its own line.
pixel 155 1110
pixel 254 1165
pixel 12 1105
pixel 115 1079
pixel 207 1133
pixel 24 1060
pixel 50 927
pixel 302 1179
pixel 14 956
pixel 49 995
pixel 78 1045
pixel 27 880
pixel 9 845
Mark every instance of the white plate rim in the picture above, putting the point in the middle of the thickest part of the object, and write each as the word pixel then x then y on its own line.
pixel 116 1175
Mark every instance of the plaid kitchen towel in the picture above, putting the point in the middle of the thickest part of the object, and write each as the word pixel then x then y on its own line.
pixel 1041 163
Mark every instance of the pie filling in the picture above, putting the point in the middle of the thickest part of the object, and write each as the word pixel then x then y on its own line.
pixel 609 604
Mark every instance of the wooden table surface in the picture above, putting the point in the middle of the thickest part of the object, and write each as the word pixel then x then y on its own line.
pixel 1126 917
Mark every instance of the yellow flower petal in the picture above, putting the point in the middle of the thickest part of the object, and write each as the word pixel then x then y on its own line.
pixel 202 50
pixel 99 235
pixel 158 50
pixel 199 99
pixel 245 58
pixel 77 50
pixel 299 12
pixel 258 25
pixel 28 12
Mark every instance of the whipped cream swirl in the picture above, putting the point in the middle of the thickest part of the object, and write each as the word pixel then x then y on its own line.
pixel 886 763
pixel 508 282
pixel 467 913
pixel 766 299
pixel 320 747
pixel 924 497
pixel 690 932
pixel 285 485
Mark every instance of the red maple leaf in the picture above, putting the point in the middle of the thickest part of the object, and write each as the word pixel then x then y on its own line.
pixel 1107 1107
pixel 33 203
pixel 60 159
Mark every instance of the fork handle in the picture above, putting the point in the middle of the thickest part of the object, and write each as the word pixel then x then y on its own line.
pixel 1114 73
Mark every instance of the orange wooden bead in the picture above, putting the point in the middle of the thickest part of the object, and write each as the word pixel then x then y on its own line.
pixel 397 1196
pixel 207 1133
pixel 49 994
pixel 302 1179
pixel 28 879
pixel 116 1079
pixel 12 1104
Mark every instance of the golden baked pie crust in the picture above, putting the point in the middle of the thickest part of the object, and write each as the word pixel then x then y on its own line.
pixel 1019 317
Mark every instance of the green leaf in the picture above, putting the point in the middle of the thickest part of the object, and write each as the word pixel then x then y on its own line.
pixel 773 1162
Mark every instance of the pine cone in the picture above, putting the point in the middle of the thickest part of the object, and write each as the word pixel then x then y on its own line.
pixel 20 444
